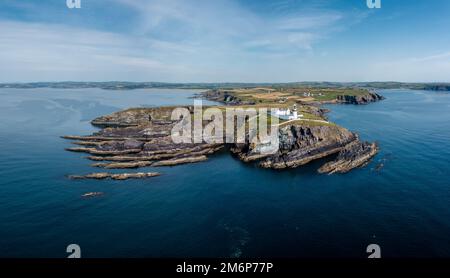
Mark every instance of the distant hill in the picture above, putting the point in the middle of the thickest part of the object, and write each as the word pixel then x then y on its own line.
pixel 122 85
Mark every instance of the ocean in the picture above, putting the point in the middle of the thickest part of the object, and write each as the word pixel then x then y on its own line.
pixel 223 207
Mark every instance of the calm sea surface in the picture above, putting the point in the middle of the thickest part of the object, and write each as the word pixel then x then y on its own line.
pixel 223 207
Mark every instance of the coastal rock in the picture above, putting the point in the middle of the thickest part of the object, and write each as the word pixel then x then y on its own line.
pixel 103 152
pixel 225 96
pixel 123 165
pixel 92 194
pixel 298 145
pixel 133 144
pixel 178 161
pixel 123 176
pixel 142 139
pixel 98 139
pixel 354 155
pixel 365 99
pixel 126 176
pixel 158 155
pixel 134 117
pixel 136 138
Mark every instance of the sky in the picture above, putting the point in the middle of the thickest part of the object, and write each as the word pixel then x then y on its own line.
pixel 225 41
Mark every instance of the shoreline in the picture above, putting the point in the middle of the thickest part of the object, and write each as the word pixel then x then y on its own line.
pixel 140 138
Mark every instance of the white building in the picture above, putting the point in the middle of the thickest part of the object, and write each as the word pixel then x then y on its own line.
pixel 288 114
pixel 294 113
pixel 283 112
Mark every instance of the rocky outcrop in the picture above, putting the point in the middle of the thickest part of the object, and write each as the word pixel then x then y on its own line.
pixel 354 155
pixel 360 99
pixel 96 151
pixel 123 176
pixel 92 194
pixel 173 162
pixel 226 97
pixel 136 163
pixel 143 140
pixel 95 140
pixel 299 145
pixel 134 117
pixel 136 138
pixel 123 165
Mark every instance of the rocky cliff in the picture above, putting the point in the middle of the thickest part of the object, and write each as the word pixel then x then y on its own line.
pixel 360 99
pixel 137 138
pixel 353 155
pixel 226 97
pixel 301 144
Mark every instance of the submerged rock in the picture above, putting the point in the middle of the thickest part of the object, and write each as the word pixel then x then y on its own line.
pixel 92 194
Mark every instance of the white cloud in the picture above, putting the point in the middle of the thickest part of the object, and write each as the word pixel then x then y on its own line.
pixel 31 51
pixel 431 68
pixel 173 41
pixel 307 22
pixel 435 57
pixel 226 24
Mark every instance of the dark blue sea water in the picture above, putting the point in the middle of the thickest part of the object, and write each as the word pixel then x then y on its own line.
pixel 223 207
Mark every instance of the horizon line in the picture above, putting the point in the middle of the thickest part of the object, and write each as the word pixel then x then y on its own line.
pixel 227 82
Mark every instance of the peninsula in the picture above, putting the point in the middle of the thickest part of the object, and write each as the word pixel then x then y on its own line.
pixel 141 137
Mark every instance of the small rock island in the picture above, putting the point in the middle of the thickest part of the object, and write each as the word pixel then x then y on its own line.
pixel 141 137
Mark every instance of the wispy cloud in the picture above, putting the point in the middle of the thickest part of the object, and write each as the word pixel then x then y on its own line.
pixel 431 68
pixel 436 57
pixel 50 52
pixel 171 40
pixel 226 23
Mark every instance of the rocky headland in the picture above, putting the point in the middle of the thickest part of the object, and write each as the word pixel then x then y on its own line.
pixel 305 95
pixel 299 145
pixel 362 99
pixel 141 137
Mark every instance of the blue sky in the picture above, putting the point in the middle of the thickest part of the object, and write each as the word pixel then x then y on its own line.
pixel 225 40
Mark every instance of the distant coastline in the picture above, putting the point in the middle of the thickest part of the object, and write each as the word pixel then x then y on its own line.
pixel 125 85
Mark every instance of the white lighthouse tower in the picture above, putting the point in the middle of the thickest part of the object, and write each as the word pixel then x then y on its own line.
pixel 294 112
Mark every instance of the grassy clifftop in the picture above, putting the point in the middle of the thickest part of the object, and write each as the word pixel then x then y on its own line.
pixel 283 96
